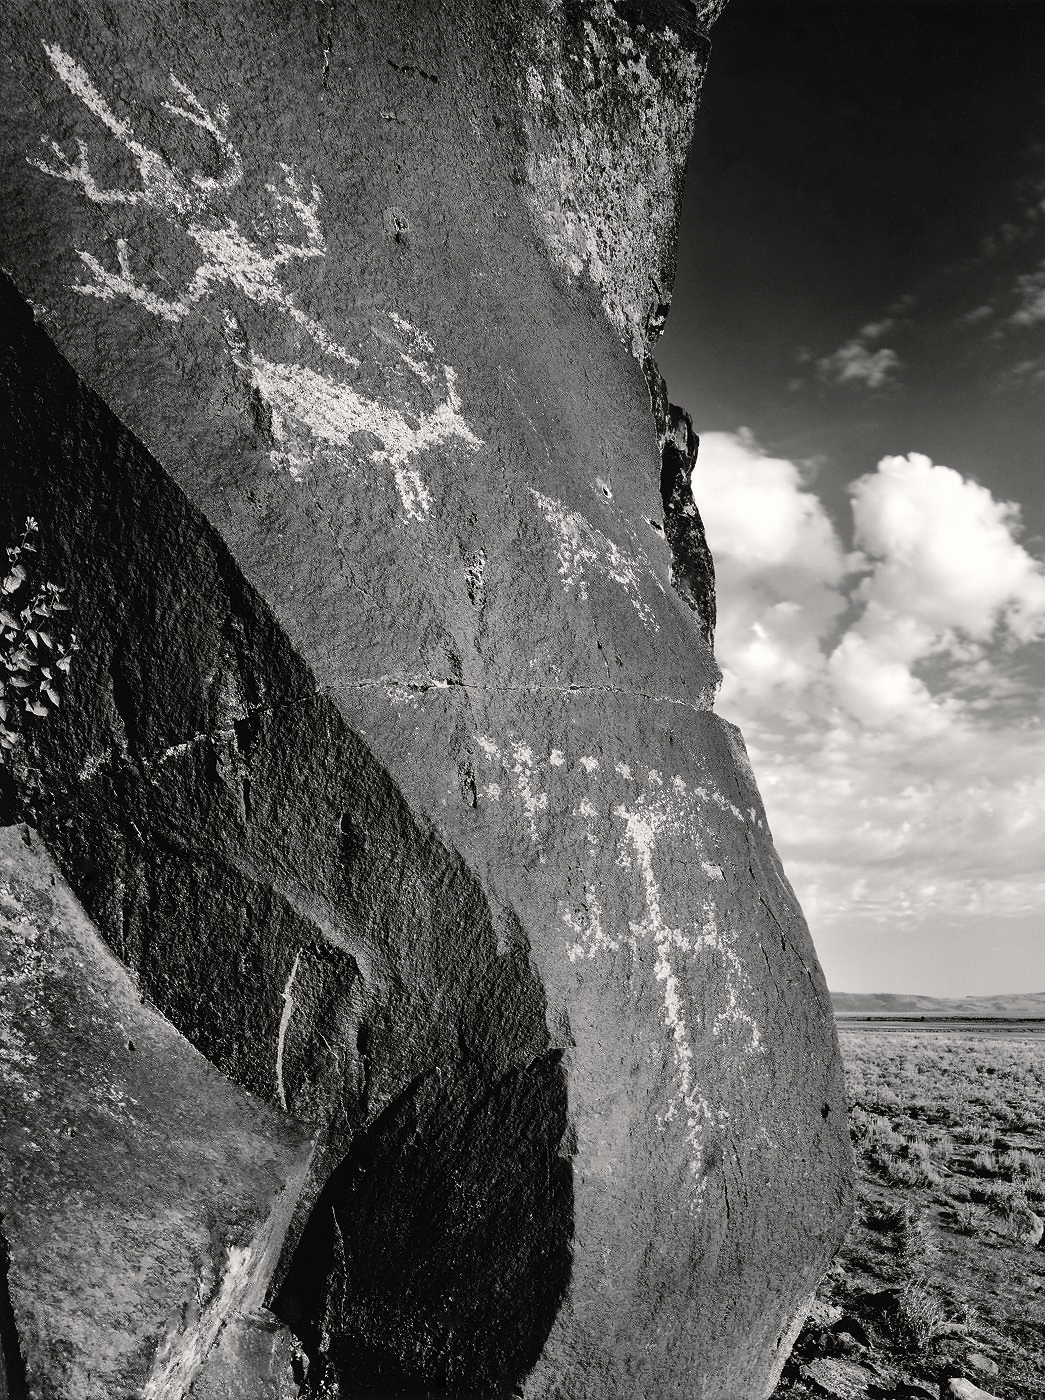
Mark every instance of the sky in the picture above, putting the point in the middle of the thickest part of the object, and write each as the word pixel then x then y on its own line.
pixel 858 330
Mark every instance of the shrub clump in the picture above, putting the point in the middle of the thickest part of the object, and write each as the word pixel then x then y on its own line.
pixel 33 657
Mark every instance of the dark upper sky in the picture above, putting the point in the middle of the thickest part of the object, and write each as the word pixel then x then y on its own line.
pixel 859 161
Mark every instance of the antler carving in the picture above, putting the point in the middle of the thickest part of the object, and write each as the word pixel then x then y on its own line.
pixel 311 412
pixel 229 257
pixel 162 187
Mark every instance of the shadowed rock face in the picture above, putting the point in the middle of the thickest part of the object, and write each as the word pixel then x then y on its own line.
pixel 386 760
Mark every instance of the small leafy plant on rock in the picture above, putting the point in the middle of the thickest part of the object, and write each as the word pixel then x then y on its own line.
pixel 34 659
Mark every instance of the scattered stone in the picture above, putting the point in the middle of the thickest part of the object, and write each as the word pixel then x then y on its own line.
pixel 981 1363
pixel 844 1380
pixel 1025 1226
pixel 847 1345
pixel 823 1314
pixel 254 1359
pixel 958 1388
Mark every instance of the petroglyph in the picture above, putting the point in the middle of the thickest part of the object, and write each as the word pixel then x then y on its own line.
pixel 586 923
pixel 641 828
pixel 520 764
pixel 230 259
pixel 284 1026
pixel 312 413
pixel 584 551
pixel 631 832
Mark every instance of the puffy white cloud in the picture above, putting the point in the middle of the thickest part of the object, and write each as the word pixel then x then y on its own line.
pixel 764 518
pixel 874 683
pixel 880 691
pixel 778 561
pixel 945 550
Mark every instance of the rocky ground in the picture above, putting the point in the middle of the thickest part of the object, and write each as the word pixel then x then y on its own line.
pixel 939 1290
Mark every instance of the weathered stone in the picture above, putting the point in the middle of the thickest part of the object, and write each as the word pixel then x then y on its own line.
pixel 1025 1226
pixel 958 1388
pixel 253 1359
pixel 605 116
pixel 984 1364
pixel 692 568
pixel 844 1380
pixel 387 759
pixel 823 1314
pixel 143 1198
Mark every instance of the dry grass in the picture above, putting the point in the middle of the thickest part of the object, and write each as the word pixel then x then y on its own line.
pixel 923 1320
pixel 949 1136
pixel 978 1086
pixel 1027 1167
pixel 970 1219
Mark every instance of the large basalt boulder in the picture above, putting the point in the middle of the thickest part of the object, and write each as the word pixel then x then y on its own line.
pixel 384 753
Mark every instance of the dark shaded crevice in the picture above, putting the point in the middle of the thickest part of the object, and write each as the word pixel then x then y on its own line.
pixel 125 688
pixel 658 317
pixel 328 47
pixel 692 567
pixel 13 1382
pixel 765 954
pixel 10 806
pixel 438 1253
pixel 301 1284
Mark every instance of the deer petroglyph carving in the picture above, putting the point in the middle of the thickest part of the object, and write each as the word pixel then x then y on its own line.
pixel 313 413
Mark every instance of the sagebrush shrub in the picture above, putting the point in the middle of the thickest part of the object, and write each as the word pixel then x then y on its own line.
pixel 34 658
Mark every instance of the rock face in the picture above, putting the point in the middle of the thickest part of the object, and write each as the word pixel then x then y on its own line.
pixel 144 1199
pixel 382 749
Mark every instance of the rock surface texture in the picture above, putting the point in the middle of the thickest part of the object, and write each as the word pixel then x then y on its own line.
pixel 144 1199
pixel 377 739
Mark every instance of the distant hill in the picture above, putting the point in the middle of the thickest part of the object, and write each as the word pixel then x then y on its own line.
pixel 893 1004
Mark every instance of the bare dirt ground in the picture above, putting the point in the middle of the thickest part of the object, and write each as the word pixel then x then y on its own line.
pixel 943 1272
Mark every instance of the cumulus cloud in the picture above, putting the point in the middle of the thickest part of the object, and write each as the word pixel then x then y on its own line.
pixel 856 363
pixel 946 553
pixel 779 563
pixel 880 687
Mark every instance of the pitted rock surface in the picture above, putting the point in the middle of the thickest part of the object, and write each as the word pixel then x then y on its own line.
pixel 387 761
pixel 143 1198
